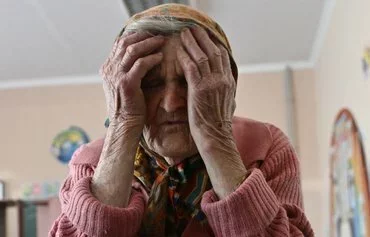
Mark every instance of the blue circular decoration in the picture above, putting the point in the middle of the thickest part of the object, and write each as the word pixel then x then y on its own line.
pixel 67 142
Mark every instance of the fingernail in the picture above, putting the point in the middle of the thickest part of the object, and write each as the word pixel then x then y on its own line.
pixel 185 30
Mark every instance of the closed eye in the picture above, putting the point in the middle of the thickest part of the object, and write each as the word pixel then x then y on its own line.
pixel 183 82
pixel 152 83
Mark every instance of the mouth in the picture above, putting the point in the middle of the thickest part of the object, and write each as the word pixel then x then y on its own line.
pixel 179 122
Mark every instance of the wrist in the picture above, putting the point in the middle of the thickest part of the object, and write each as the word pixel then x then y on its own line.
pixel 224 165
pixel 127 120
pixel 223 189
pixel 212 124
pixel 215 142
pixel 224 127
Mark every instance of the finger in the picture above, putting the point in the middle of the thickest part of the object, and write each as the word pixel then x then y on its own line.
pixel 105 70
pixel 140 49
pixel 209 47
pixel 114 49
pixel 127 33
pixel 195 52
pixel 126 41
pixel 116 43
pixel 225 60
pixel 190 69
pixel 142 66
pixel 109 59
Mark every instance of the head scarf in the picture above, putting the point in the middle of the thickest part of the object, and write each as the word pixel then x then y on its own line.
pixel 175 191
pixel 186 13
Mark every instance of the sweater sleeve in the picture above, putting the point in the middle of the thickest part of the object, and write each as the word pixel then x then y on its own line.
pixel 267 203
pixel 84 215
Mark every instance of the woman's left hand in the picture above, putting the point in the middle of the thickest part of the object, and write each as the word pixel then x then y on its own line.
pixel 211 105
pixel 211 85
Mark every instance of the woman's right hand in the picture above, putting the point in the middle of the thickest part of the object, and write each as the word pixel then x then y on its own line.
pixel 131 58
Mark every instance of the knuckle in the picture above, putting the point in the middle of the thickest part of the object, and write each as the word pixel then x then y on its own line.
pixel 222 50
pixel 105 70
pixel 109 69
pixel 228 83
pixel 217 52
pixel 202 59
pixel 122 65
pixel 124 43
pixel 120 43
pixel 223 84
pixel 131 50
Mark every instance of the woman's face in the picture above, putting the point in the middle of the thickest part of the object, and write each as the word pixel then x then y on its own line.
pixel 165 89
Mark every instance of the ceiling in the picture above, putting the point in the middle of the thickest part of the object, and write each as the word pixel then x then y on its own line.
pixel 47 39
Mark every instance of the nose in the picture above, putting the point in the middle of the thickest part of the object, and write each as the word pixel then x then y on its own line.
pixel 174 98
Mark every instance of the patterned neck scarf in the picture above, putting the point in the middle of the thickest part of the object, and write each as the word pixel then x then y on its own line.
pixel 174 192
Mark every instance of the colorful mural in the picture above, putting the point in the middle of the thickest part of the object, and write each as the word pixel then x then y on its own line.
pixel 366 63
pixel 350 197
pixel 67 142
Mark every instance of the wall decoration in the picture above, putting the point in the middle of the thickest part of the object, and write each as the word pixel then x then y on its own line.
pixel 366 63
pixel 67 142
pixel 349 184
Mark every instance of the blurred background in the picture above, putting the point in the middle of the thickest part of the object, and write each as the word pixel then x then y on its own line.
pixel 303 66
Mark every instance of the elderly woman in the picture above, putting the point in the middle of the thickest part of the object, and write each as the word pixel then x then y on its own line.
pixel 174 161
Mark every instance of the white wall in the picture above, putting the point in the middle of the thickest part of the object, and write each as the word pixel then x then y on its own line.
pixel 339 83
pixel 33 116
pixel 261 96
pixel 30 119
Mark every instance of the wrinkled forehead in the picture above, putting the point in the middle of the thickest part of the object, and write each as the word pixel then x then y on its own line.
pixel 170 47
pixel 170 68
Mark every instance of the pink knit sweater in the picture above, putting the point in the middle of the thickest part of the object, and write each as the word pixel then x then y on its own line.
pixel 267 203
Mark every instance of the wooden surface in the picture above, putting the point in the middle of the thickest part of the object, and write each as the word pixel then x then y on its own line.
pixel 19 204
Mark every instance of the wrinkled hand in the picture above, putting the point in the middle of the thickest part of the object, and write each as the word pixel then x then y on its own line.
pixel 131 58
pixel 211 105
pixel 211 85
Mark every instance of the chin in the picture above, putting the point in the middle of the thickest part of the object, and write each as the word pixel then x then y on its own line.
pixel 177 146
